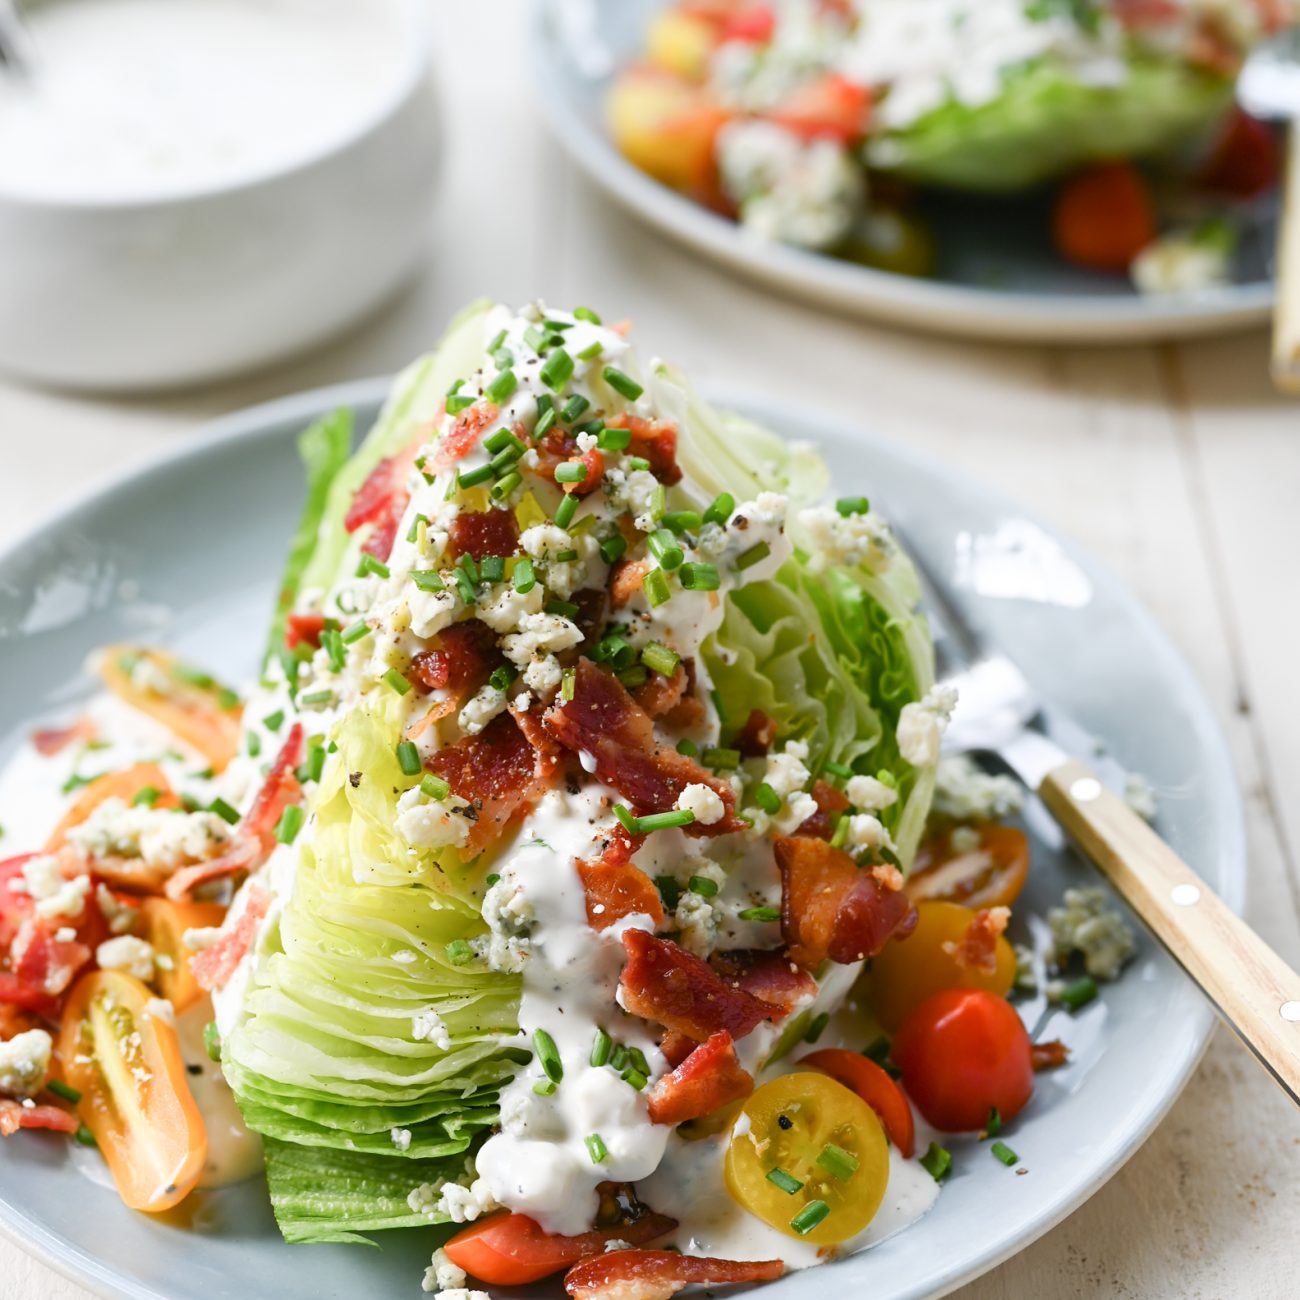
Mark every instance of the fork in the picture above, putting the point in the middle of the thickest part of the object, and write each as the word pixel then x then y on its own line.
pixel 999 713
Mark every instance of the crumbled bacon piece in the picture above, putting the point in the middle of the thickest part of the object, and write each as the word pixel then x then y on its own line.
pixel 1050 1055
pixel 43 962
pixel 499 773
pixel 53 740
pixel 755 738
pixel 14 1115
pixel 676 1047
pixel 709 1078
pixel 213 967
pixel 614 887
pixel 977 950
pixel 604 721
pixel 831 908
pixel 659 695
pixel 593 606
pixel 381 501
pixel 471 424
pixel 665 983
pixel 303 629
pixel 481 533
pixel 769 976
pixel 829 801
pixel 559 446
pixel 625 580
pixel 460 660
pixel 652 441
pixel 658 1274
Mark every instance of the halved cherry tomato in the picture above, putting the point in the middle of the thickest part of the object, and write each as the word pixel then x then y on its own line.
pixel 991 875
pixel 875 1087
pixel 681 43
pixel 907 971
pixel 809 1140
pixel 1104 217
pixel 189 704
pixel 831 107
pixel 124 785
pixel 165 923
pixel 961 1053
pixel 512 1249
pixel 135 1098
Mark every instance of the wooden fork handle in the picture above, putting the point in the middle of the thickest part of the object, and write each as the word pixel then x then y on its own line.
pixel 1251 987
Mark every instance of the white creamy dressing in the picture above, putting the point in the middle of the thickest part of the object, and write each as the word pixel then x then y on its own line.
pixel 133 99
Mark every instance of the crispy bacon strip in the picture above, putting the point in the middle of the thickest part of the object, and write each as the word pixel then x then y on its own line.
pixel 709 1078
pixel 652 441
pixel 769 976
pixel 977 949
pixel 214 966
pixel 829 801
pixel 665 983
pixel 382 500
pixel 676 1047
pixel 658 1274
pixel 471 424
pixel 52 740
pixel 499 773
pixel 614 887
pixel 832 908
pixel 254 839
pixel 481 533
pixel 43 962
pixel 659 695
pixel 755 738
pixel 460 661
pixel 603 720
pixel 1050 1055
pixel 14 1115
pixel 558 446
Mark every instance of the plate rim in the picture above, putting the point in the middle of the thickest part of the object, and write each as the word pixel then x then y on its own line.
pixel 267 420
pixel 936 307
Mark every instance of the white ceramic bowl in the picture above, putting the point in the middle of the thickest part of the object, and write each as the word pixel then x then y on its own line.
pixel 159 293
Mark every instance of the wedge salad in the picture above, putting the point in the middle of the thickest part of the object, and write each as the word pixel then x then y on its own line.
pixel 568 883
pixel 822 123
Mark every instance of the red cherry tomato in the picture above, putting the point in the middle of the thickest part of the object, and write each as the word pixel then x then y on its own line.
pixel 1246 159
pixel 875 1087
pixel 961 1053
pixel 1104 217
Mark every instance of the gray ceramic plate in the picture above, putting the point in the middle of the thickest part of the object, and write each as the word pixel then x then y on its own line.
pixel 187 552
pixel 998 276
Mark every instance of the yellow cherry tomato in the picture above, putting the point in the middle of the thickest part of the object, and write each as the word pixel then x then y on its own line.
pixel 682 43
pixel 813 1161
pixel 665 126
pixel 907 971
pixel 165 923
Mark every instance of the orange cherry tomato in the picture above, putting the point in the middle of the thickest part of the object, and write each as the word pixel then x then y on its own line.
pixel 135 1098
pixel 907 971
pixel 124 785
pixel 165 923
pixel 963 1052
pixel 991 875
pixel 875 1087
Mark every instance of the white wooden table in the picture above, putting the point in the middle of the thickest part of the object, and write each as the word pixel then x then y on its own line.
pixel 1175 464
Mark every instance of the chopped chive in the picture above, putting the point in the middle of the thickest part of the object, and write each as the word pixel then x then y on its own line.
pixel 548 1055
pixel 459 402
pixel 273 721
pixel 655 586
pixel 612 548
pixel 663 546
pixel 767 798
pixel 817 1026
pixel 625 818
pixel 658 501
pixel 658 658
pixel 718 758
pixel 635 1078
pixel 878 1050
pixel 503 358
pixel 755 555
pixel 193 676
pixel 408 757
pixel 619 1059
pixel 562 608
pixel 662 821
pixel 1004 1153
pixel 637 1057
pixel 212 1040
pixel 491 879
pixel 683 521
pixel 557 370
pixel 809 1217
pixel 313 698
pixel 428 580
pixel 601 1047
pixel 669 891
pixel 504 461
pixel 634 677
pixel 85 1137
pixel 413 532
pixel 700 577
pixel 465 586
pixel 368 564
pixel 459 952
pixel 788 1183
pixel 993 1125
pixel 585 313
pixel 592 427
pixel 596 1148
pixel 615 649
pixel 614 439
pixel 523 579
pixel 1079 993
pixel 223 810
pixel 571 471
pixel 147 796
pixel 688 747
pixel 840 834
pixel 622 383
pixel 853 506
pixel 254 745
pixel 434 787
pixel 492 568
pixel 545 1087
pixel 545 423
pixel 535 339
pixel 290 823
pixel 637 462
pixel 703 886
pixel 501 387
pixel 396 681
pixel 720 509
pixel 227 698
pixel 567 684
pixel 500 678
pixel 335 649
pixel 498 339
pixel 937 1162
pixel 840 1164
pixel 839 769
pixel 761 914
pixel 505 485
pixel 573 409
pixel 473 477
pixel 565 557
pixel 357 632
pixel 565 511
pixel 591 351
pixel 61 1089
